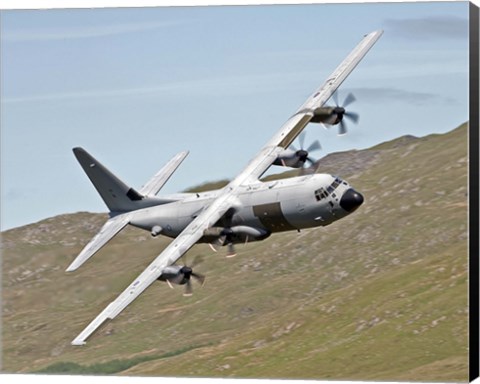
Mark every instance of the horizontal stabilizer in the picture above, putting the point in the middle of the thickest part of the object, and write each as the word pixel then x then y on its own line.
pixel 156 183
pixel 108 231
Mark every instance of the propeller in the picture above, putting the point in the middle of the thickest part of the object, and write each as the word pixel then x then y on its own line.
pixel 188 274
pixel 341 112
pixel 303 154
pixel 226 235
pixel 312 169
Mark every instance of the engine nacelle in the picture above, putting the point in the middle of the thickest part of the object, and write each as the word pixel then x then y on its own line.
pixel 290 158
pixel 174 274
pixel 328 115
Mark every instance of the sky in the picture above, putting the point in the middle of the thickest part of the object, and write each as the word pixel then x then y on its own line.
pixel 135 86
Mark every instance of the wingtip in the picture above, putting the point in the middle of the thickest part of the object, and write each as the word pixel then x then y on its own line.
pixel 376 32
pixel 184 154
pixel 72 267
pixel 78 342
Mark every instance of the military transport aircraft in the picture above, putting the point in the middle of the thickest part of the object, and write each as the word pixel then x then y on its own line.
pixel 245 210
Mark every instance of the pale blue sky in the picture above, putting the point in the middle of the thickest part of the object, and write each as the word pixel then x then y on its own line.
pixel 136 86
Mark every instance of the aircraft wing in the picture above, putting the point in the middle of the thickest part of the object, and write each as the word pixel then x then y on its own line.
pixel 297 122
pixel 156 183
pixel 227 197
pixel 170 255
pixel 108 231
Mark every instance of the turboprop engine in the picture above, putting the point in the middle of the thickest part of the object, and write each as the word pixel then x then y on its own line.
pixel 335 115
pixel 296 158
pixel 293 159
pixel 181 275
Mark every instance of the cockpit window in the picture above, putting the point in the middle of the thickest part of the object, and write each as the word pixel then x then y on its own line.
pixel 323 193
pixel 336 182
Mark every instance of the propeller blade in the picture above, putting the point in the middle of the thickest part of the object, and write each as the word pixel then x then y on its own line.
pixel 217 243
pixel 312 169
pixel 349 100
pixel 315 146
pixel 340 110
pixel 184 260
pixel 231 251
pixel 199 277
pixel 198 260
pixel 315 167
pixel 212 247
pixel 301 139
pixel 352 116
pixel 221 240
pixel 335 98
pixel 302 153
pixel 188 289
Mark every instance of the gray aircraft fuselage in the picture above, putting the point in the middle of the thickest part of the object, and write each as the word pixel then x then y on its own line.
pixel 274 206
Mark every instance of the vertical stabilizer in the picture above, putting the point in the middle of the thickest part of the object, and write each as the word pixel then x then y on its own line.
pixel 115 193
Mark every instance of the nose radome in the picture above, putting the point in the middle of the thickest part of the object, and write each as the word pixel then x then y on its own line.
pixel 351 200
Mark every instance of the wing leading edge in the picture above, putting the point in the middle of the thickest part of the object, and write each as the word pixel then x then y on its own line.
pixel 227 198
pixel 297 122
pixel 108 231
pixel 156 183
pixel 170 255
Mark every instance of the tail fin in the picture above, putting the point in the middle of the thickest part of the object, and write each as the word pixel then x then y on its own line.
pixel 119 198
pixel 115 193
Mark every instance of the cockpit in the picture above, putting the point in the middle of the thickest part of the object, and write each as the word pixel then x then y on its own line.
pixel 323 193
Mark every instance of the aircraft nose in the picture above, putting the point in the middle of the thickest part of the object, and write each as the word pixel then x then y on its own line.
pixel 351 200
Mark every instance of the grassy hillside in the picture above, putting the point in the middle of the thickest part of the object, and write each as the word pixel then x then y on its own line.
pixel 379 295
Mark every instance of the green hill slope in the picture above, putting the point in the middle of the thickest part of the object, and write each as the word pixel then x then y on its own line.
pixel 379 295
